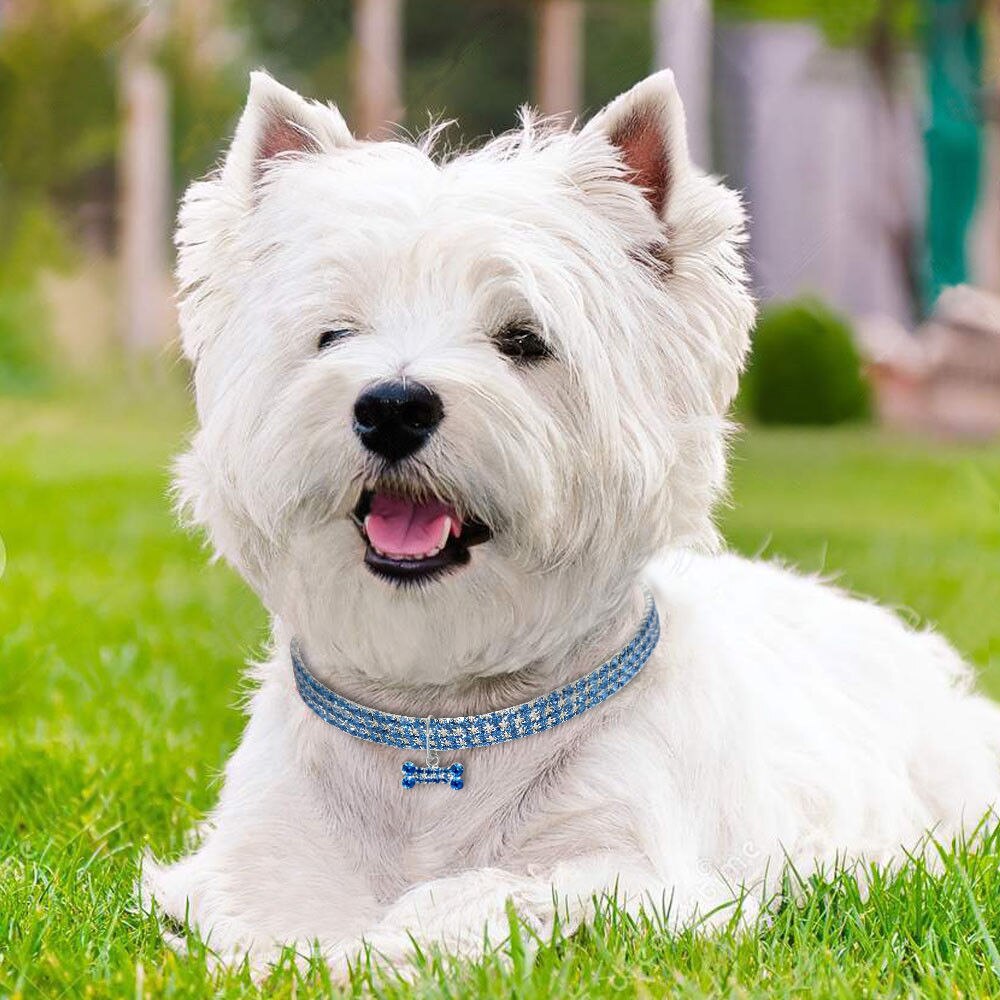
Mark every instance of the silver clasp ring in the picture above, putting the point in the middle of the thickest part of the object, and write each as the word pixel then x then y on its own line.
pixel 429 751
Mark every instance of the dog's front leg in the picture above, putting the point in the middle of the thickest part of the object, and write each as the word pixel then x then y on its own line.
pixel 456 914
pixel 461 913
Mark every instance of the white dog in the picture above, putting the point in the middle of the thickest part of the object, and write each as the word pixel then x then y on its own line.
pixel 457 416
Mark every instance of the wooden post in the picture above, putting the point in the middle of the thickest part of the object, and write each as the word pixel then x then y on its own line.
pixel 682 37
pixel 200 27
pixel 8 13
pixel 145 187
pixel 559 57
pixel 378 39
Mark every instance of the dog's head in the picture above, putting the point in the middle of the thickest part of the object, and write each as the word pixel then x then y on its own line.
pixel 450 404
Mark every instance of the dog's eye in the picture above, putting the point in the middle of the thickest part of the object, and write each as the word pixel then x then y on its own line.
pixel 330 337
pixel 521 344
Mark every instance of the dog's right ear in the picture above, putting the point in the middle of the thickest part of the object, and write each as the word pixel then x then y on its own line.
pixel 276 123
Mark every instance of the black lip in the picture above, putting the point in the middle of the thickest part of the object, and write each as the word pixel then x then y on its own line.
pixel 409 571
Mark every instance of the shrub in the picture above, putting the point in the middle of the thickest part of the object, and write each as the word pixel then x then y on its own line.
pixel 805 368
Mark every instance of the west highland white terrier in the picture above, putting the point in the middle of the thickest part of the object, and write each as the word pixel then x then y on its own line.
pixel 462 426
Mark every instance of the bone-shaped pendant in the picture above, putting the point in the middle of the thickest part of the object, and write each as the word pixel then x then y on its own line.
pixel 414 775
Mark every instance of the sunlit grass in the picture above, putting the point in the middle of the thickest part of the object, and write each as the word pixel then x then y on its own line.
pixel 120 652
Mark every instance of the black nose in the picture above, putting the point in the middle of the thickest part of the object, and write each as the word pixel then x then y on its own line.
pixel 394 419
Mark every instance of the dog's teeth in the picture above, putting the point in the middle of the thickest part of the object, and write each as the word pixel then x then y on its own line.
pixel 445 529
pixel 408 556
pixel 368 517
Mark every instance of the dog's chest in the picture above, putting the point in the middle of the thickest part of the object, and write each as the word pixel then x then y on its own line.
pixel 402 836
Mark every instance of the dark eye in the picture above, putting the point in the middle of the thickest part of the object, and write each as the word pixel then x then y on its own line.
pixel 330 337
pixel 522 344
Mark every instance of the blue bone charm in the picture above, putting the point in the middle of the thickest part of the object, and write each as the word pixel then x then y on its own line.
pixel 414 775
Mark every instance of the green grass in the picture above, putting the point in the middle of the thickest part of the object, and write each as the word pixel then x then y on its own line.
pixel 120 653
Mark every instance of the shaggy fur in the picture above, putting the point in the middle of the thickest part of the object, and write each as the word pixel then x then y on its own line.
pixel 778 717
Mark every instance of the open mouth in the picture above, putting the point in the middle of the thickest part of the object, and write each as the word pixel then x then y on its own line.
pixel 411 540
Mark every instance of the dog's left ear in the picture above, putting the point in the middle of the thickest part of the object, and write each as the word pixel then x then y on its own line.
pixel 646 124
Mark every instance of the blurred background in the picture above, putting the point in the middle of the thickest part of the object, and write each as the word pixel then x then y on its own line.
pixel 865 134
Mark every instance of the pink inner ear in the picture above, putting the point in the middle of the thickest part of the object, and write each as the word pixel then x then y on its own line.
pixel 643 145
pixel 279 135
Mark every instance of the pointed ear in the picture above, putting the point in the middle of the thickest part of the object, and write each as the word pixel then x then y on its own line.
pixel 275 122
pixel 646 124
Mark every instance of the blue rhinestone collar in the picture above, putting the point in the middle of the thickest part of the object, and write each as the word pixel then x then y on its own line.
pixel 434 735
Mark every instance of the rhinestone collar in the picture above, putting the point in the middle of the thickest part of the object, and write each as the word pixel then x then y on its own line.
pixel 435 735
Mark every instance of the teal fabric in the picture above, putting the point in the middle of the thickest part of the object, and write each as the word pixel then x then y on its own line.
pixel 953 139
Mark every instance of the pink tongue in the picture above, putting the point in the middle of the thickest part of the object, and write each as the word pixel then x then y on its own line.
pixel 406 528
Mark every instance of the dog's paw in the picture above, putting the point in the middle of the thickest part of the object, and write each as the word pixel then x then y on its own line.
pixel 463 916
pixel 195 920
pixel 391 951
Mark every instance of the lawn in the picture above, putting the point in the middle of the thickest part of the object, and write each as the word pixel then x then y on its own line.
pixel 120 655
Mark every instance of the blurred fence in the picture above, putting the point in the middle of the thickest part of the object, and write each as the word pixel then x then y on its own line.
pixel 819 111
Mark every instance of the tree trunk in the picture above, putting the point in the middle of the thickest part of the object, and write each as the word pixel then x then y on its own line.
pixel 378 39
pixel 200 26
pixel 145 192
pixel 559 57
pixel 9 13
pixel 682 36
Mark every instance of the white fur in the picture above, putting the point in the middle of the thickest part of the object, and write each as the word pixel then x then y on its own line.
pixel 777 716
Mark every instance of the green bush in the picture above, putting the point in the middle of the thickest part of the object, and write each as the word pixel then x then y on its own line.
pixel 805 368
